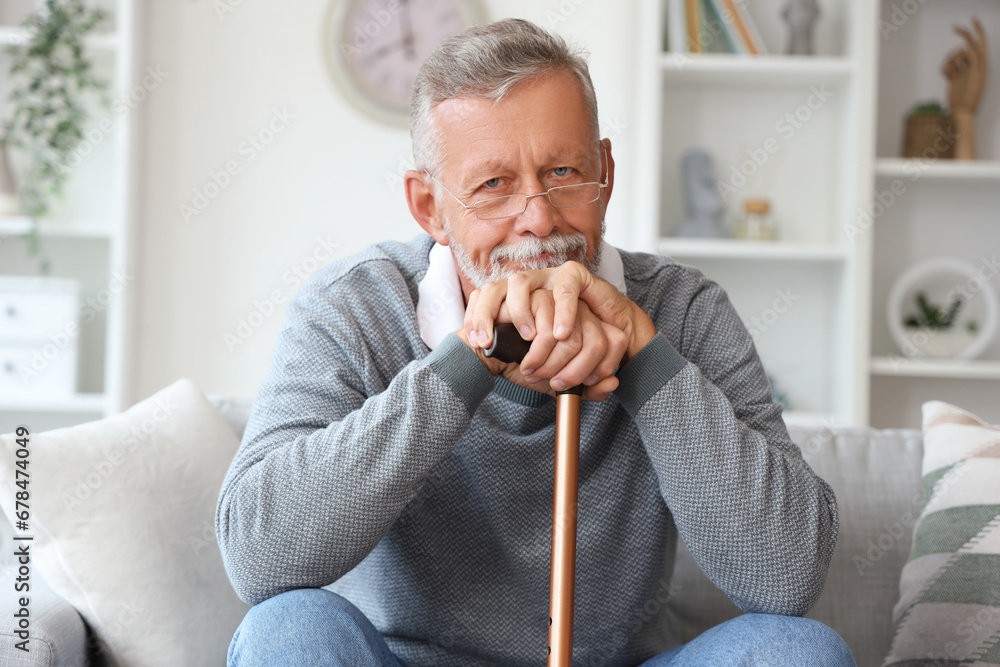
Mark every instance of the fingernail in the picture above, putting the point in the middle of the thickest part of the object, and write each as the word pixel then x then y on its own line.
pixel 560 331
pixel 525 331
pixel 590 380
pixel 483 338
pixel 558 385
pixel 526 372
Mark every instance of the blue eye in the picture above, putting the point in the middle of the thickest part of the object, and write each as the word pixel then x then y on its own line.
pixel 492 183
pixel 561 171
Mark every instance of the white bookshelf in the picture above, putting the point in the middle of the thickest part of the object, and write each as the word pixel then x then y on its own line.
pixel 971 369
pixel 103 42
pixel 786 251
pixel 78 404
pixel 914 169
pixel 949 208
pixel 719 68
pixel 817 349
pixel 21 225
pixel 831 353
pixel 88 236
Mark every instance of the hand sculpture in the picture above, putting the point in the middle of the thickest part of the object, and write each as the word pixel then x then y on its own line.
pixel 966 68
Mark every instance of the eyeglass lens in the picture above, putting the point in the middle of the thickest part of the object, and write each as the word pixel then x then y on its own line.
pixel 564 196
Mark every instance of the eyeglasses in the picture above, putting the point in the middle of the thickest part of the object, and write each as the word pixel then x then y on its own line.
pixel 561 196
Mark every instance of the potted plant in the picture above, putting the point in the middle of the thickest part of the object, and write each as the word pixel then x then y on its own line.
pixel 930 132
pixel 50 73
pixel 934 330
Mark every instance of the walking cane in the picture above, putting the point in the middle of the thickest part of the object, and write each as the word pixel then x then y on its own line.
pixel 508 346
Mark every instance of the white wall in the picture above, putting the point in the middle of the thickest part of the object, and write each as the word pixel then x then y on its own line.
pixel 329 175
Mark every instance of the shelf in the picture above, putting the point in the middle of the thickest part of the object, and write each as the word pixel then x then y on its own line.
pixel 972 369
pixel 21 225
pixel 10 35
pixel 944 170
pixel 754 250
pixel 774 69
pixel 75 403
pixel 803 418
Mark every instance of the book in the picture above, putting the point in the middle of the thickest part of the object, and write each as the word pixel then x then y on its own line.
pixel 676 29
pixel 695 23
pixel 739 26
pixel 719 32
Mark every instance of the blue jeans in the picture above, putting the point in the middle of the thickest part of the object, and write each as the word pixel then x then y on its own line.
pixel 316 627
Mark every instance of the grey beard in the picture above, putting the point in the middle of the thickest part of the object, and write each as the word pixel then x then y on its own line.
pixel 563 248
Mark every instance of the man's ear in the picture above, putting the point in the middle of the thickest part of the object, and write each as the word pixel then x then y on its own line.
pixel 423 206
pixel 610 171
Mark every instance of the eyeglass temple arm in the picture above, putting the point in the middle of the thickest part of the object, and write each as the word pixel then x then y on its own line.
pixel 460 202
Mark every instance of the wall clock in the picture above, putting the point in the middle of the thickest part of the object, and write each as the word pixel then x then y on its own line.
pixel 375 47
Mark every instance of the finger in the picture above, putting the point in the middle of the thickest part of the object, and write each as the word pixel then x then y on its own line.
pixel 518 302
pixel 566 288
pixel 583 365
pixel 601 390
pixel 563 352
pixel 961 63
pixel 470 308
pixel 491 295
pixel 617 346
pixel 973 50
pixel 542 309
pixel 983 42
pixel 565 282
pixel 950 66
pixel 604 300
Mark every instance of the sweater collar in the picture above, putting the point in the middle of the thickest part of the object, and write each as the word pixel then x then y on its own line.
pixel 441 305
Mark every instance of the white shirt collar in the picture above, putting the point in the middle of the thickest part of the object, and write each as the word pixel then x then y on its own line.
pixel 441 306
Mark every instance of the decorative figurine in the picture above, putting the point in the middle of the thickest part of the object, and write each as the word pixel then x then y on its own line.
pixel 704 203
pixel 966 69
pixel 800 15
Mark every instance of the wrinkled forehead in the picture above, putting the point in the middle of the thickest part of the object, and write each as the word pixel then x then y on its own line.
pixel 542 120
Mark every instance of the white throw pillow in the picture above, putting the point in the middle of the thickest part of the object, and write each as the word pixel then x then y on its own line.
pixel 949 603
pixel 123 516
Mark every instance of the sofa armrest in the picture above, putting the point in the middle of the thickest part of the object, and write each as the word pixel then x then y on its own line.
pixel 58 636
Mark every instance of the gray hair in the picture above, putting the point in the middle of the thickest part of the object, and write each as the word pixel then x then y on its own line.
pixel 487 62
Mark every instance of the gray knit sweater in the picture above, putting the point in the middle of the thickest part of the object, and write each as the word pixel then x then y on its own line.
pixel 419 488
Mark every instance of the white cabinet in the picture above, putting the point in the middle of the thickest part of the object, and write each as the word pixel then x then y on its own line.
pixel 798 131
pixel 945 209
pixel 87 240
pixel 820 137
pixel 39 330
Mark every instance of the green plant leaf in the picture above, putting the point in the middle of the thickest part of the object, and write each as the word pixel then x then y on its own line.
pixel 51 74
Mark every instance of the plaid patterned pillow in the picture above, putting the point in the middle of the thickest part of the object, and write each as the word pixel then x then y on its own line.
pixel 949 607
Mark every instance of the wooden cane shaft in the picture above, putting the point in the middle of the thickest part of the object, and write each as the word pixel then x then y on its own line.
pixel 564 498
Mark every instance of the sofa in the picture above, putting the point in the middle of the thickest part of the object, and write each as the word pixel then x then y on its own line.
pixel 876 475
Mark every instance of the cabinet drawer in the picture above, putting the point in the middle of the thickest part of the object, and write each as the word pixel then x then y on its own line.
pixel 38 367
pixel 36 309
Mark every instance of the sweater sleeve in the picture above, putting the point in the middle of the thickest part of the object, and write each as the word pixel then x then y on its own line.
pixel 760 523
pixel 329 458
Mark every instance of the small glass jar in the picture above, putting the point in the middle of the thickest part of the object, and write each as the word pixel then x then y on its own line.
pixel 757 223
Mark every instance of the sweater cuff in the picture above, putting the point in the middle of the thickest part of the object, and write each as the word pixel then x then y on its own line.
pixel 461 370
pixel 647 372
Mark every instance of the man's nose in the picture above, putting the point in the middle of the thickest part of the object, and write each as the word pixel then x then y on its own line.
pixel 539 217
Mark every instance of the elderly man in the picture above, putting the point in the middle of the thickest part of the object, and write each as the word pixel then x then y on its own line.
pixel 391 501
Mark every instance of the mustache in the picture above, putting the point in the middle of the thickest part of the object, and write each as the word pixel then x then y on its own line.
pixel 529 249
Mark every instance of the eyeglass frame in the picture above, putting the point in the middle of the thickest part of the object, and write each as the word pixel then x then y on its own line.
pixel 545 193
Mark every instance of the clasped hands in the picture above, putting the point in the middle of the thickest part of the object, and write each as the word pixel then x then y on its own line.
pixel 581 329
